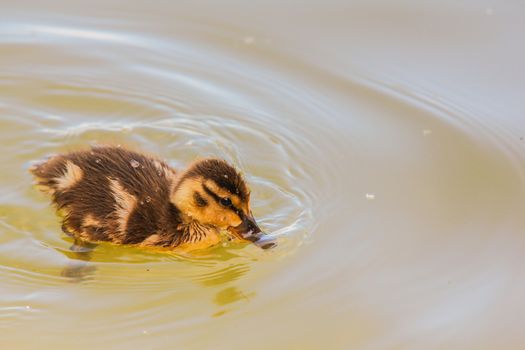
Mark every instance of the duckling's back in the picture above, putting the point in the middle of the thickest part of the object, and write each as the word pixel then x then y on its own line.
pixel 112 194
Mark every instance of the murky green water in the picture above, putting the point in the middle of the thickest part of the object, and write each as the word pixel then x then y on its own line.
pixel 383 143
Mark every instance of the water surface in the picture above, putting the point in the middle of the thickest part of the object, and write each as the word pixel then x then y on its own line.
pixel 383 143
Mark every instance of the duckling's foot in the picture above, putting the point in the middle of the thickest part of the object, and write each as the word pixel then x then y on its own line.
pixel 80 246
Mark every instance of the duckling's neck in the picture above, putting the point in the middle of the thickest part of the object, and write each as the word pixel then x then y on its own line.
pixel 195 235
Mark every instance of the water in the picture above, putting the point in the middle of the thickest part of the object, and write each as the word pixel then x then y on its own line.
pixel 383 143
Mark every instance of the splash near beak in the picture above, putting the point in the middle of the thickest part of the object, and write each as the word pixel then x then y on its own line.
pixel 250 231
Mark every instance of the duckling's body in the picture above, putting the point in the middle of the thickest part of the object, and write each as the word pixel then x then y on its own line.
pixel 121 196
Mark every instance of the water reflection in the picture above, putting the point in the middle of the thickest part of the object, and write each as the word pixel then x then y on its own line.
pixel 231 295
pixel 78 267
pixel 225 275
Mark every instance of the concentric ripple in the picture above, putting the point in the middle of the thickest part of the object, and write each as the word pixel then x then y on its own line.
pixel 382 199
pixel 171 98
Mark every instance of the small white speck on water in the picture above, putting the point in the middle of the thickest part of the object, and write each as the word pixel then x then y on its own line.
pixel 28 307
pixel 98 161
pixel 370 196
pixel 148 199
pixel 145 332
pixel 427 132
pixel 225 176
pixel 134 163
pixel 141 202
pixel 92 153
pixel 248 40
pixel 489 11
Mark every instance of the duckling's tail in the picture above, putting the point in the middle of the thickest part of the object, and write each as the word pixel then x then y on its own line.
pixel 46 174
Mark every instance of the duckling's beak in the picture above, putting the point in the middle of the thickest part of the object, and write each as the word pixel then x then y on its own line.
pixel 250 231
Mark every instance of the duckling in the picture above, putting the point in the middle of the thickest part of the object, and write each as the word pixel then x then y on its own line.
pixel 114 194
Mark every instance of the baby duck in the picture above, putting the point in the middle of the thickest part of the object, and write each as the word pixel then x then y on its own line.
pixel 117 195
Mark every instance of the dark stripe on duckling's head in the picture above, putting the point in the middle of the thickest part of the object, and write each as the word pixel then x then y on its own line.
pixel 225 202
pixel 199 200
pixel 212 194
pixel 223 174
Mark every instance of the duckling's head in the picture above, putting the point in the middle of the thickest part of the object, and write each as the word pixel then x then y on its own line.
pixel 214 194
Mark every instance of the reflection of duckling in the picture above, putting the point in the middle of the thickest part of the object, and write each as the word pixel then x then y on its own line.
pixel 117 195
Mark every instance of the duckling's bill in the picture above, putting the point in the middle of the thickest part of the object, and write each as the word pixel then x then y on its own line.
pixel 249 230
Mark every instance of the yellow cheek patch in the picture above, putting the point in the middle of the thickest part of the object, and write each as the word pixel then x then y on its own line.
pixel 214 214
pixel 183 197
pixel 233 219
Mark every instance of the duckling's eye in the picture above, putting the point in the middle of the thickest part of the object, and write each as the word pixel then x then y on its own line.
pixel 226 202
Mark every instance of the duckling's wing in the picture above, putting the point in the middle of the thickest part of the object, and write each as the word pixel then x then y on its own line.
pixel 109 193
